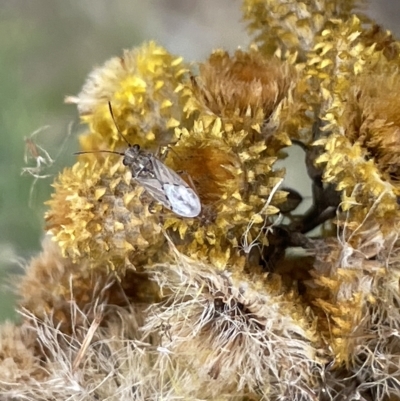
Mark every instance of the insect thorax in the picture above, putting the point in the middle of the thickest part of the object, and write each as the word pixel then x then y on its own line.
pixel 139 162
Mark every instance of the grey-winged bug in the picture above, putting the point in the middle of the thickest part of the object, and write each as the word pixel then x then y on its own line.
pixel 161 182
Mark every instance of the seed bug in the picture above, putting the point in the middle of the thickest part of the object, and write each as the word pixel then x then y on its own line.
pixel 160 181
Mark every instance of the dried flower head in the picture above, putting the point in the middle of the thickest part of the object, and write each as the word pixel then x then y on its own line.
pixel 42 362
pixel 144 89
pixel 19 365
pixel 292 25
pixel 372 120
pixel 97 214
pixel 355 160
pixel 234 334
pixel 243 88
pixel 133 300
pixel 234 184
pixel 54 286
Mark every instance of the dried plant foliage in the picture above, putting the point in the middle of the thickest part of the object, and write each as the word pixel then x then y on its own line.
pixel 130 300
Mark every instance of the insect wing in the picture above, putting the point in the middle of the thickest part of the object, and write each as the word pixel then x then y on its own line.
pixel 184 200
pixel 155 188
pixel 171 190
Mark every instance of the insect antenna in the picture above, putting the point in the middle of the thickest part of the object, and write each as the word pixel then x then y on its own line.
pixel 116 125
pixel 99 151
pixel 119 132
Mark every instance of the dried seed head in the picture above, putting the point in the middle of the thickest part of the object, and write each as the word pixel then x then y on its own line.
pixel 234 332
pixel 19 362
pixel 54 285
pixel 243 89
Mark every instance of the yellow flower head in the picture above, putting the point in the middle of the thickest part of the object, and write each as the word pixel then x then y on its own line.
pixel 97 211
pixel 143 88
pixel 233 182
pixel 97 214
pixel 291 25
pixel 359 115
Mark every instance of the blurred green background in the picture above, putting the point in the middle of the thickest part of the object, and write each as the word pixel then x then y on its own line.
pixel 47 47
